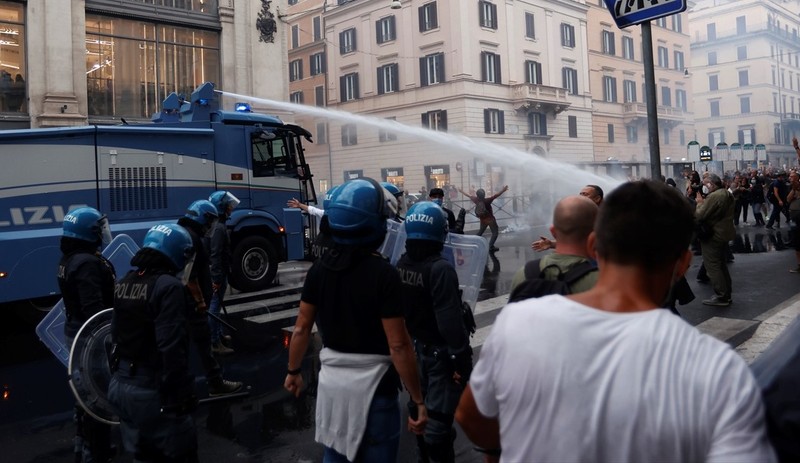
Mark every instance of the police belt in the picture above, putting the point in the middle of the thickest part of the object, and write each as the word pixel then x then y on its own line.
pixel 429 349
pixel 130 367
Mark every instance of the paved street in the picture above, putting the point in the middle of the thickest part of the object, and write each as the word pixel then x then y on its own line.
pixel 270 426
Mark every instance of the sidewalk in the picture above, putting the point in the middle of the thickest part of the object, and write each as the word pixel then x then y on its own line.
pixel 773 322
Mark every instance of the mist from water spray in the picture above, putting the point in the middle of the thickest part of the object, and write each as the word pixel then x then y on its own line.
pixel 556 178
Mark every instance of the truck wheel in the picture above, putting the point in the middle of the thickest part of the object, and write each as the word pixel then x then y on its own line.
pixel 255 263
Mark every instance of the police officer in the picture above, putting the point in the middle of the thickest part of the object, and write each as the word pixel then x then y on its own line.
pixel 352 294
pixel 151 389
pixel 399 195
pixel 200 219
pixel 434 319
pixel 86 281
pixel 219 249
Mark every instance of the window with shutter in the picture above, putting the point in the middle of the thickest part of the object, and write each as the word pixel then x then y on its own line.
pixel 530 30
pixel 427 17
pixel 572 126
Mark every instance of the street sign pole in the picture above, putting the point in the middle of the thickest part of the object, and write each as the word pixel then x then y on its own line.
pixel 650 94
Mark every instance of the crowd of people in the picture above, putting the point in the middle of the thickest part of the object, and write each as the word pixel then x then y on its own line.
pixel 640 384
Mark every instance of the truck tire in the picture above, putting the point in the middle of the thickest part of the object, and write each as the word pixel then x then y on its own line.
pixel 255 264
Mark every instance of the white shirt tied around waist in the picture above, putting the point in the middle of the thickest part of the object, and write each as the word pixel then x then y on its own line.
pixel 347 383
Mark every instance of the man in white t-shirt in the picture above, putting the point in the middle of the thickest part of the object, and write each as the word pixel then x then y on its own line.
pixel 604 375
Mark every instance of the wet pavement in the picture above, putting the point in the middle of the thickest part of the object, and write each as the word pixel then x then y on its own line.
pixel 269 425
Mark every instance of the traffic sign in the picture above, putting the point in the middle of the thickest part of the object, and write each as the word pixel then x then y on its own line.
pixel 705 154
pixel 631 12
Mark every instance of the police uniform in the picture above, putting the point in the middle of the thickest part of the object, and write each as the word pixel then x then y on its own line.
pixel 433 316
pixel 151 389
pixel 86 282
pixel 198 320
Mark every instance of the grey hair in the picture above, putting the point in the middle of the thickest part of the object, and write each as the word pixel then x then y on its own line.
pixel 714 178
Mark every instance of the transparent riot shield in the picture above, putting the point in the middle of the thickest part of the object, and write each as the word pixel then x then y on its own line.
pixel 89 367
pixel 51 329
pixel 466 253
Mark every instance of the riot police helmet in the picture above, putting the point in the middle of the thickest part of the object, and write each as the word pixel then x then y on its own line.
pixel 224 201
pixel 173 241
pixel 203 212
pixel 328 195
pixel 398 194
pixel 425 220
pixel 357 212
pixel 87 224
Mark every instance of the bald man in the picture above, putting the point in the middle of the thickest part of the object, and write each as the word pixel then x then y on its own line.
pixel 573 221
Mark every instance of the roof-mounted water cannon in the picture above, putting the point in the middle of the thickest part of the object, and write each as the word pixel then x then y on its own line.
pixel 170 109
pixel 203 102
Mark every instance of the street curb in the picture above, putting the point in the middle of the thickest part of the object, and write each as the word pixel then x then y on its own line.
pixel 773 322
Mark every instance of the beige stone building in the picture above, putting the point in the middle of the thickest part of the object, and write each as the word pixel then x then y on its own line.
pixel 616 76
pixel 69 62
pixel 745 70
pixel 307 79
pixel 513 73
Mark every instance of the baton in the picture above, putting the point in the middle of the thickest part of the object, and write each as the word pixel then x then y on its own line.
pixel 217 318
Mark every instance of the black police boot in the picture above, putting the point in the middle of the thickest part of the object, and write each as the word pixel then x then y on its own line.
pixel 218 387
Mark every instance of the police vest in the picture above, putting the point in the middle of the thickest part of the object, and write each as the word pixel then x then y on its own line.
pixel 420 317
pixel 72 270
pixel 133 329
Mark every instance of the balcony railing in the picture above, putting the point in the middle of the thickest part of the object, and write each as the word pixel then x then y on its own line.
pixel 535 97
pixel 640 110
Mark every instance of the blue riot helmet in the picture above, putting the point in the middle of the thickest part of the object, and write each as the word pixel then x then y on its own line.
pixel 398 194
pixel 328 195
pixel 425 220
pixel 87 224
pixel 203 212
pixel 224 201
pixel 174 242
pixel 357 213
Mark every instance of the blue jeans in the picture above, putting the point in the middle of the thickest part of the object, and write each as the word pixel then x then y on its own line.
pixel 214 308
pixel 381 437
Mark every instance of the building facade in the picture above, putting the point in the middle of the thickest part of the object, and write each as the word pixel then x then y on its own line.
pixel 74 62
pixel 513 73
pixel 616 73
pixel 745 70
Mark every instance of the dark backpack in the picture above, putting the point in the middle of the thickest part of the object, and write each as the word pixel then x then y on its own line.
pixel 536 285
pixel 481 210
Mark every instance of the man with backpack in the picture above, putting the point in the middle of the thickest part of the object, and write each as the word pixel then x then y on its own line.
pixel 484 212
pixel 569 269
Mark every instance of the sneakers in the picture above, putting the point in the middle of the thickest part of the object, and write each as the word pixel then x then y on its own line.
pixel 494 249
pixel 718 301
pixel 769 227
pixel 221 349
pixel 703 279
pixel 221 386
pixel 795 270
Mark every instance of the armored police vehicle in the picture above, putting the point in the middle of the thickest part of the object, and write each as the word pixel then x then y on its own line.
pixel 140 175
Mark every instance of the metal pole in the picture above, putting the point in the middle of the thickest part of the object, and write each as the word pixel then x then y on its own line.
pixel 650 94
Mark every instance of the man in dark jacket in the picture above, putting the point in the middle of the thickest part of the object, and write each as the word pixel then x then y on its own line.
pixel 219 253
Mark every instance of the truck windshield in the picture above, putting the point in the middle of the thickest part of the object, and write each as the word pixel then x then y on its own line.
pixel 273 155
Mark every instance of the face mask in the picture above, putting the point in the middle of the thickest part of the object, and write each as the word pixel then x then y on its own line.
pixel 437 201
pixel 705 190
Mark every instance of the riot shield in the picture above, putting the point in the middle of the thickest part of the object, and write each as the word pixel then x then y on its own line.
pixel 89 367
pixel 51 329
pixel 468 254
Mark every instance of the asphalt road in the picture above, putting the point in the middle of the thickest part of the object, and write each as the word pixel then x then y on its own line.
pixel 267 426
